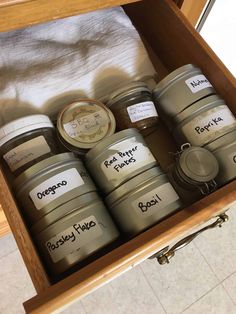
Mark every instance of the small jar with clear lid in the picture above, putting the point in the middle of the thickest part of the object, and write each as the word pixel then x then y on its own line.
pixel 133 107
pixel 26 141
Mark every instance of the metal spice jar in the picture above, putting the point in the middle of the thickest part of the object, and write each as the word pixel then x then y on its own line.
pixel 83 124
pixel 133 107
pixel 83 230
pixel 26 141
pixel 224 149
pixel 50 183
pixel 118 158
pixel 179 90
pixel 203 122
pixel 143 201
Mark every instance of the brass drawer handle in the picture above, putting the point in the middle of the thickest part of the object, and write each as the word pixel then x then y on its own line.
pixel 164 256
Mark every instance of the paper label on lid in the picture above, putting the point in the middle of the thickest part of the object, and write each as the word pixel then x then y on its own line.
pixel 87 125
pixel 155 200
pixel 73 238
pixel 232 158
pixel 142 111
pixel 208 125
pixel 197 83
pixel 26 152
pixel 129 155
pixel 52 188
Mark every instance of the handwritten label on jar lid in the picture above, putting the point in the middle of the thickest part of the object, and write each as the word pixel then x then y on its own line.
pixel 208 125
pixel 197 83
pixel 129 156
pixel 156 200
pixel 51 189
pixel 142 111
pixel 73 238
pixel 88 128
pixel 26 152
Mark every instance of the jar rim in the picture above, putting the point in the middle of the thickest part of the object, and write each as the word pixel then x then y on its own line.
pixel 128 89
pixel 22 125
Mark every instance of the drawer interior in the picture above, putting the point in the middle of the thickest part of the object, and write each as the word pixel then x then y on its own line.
pixel 171 42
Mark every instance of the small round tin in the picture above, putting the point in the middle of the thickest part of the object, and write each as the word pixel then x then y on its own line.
pixel 180 89
pixel 118 158
pixel 133 107
pixel 143 201
pixel 203 122
pixel 86 228
pixel 196 168
pixel 50 183
pixel 83 124
pixel 224 149
pixel 26 141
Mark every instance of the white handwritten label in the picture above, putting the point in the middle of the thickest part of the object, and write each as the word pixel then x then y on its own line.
pixel 208 125
pixel 197 83
pixel 52 188
pixel 26 152
pixel 128 156
pixel 73 238
pixel 155 200
pixel 142 111
pixel 232 158
pixel 87 124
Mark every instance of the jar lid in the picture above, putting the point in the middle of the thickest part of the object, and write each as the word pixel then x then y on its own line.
pixel 64 210
pixel 203 104
pixel 127 90
pixel 106 142
pixel 84 123
pixel 172 77
pixel 223 140
pixel 23 125
pixel 198 164
pixel 45 165
pixel 133 183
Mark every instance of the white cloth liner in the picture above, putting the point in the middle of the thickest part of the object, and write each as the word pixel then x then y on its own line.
pixel 47 66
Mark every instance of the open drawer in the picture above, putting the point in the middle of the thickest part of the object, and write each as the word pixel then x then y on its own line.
pixel 172 42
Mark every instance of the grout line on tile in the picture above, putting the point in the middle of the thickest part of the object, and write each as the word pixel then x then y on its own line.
pixel 229 295
pixel 149 284
pixel 226 289
pixel 202 296
pixel 212 269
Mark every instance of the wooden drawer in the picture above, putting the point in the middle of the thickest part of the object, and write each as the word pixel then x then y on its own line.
pixel 172 42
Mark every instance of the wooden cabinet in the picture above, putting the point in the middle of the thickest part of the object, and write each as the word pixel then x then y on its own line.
pixel 172 42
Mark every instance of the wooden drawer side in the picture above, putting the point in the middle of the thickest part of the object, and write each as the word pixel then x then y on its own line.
pixel 16 14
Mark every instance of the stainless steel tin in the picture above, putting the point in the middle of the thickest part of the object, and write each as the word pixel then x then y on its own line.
pixel 180 89
pixel 86 228
pixel 203 122
pixel 83 124
pixel 224 149
pixel 118 158
pixel 196 168
pixel 143 201
pixel 51 183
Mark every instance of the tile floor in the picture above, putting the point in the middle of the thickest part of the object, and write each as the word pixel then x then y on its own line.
pixel 201 279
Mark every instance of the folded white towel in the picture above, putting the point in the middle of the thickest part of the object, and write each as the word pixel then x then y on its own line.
pixel 46 66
